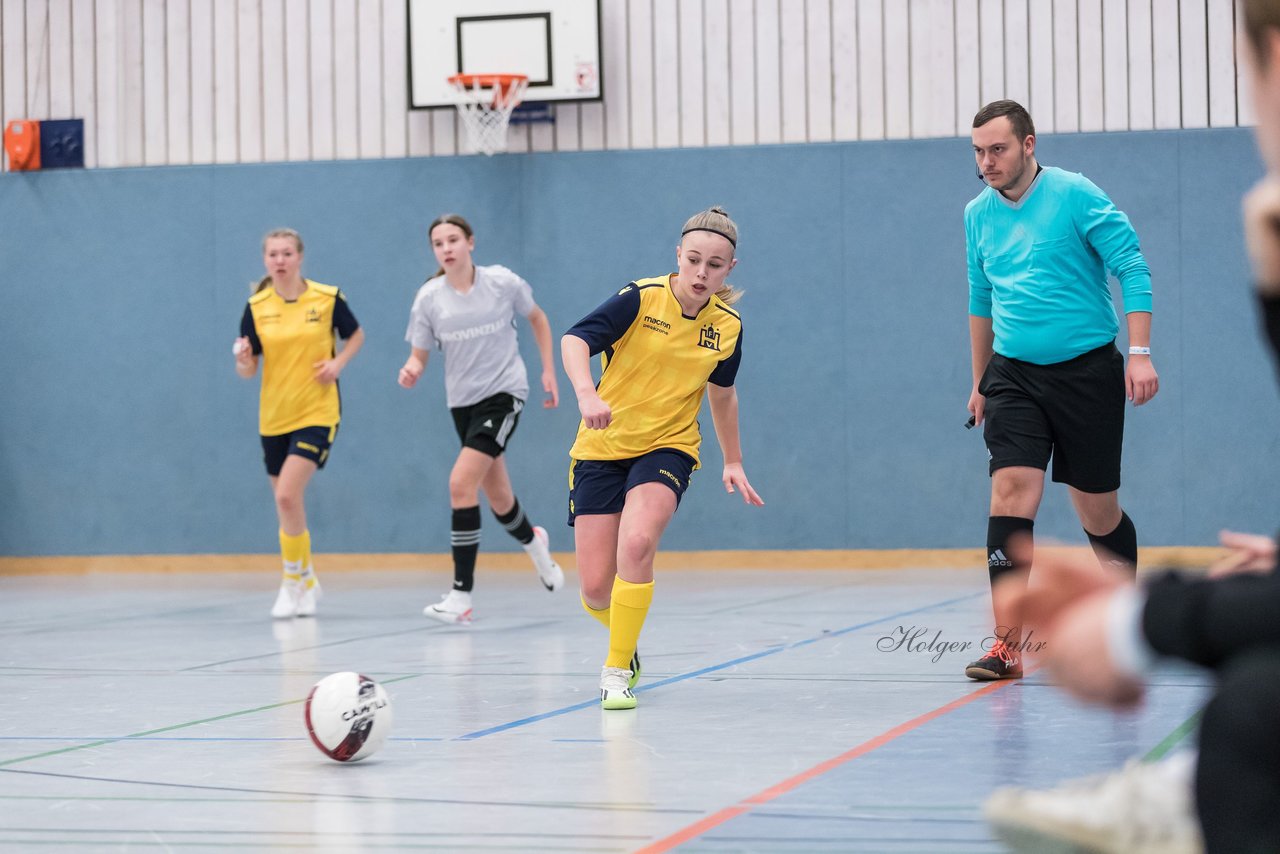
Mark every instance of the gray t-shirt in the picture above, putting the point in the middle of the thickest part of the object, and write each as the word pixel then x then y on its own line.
pixel 476 332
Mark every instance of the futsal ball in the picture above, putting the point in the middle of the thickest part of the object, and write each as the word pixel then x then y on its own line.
pixel 348 716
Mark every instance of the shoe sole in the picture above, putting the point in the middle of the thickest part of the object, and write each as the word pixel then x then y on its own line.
pixel 449 619
pixel 617 704
pixel 982 674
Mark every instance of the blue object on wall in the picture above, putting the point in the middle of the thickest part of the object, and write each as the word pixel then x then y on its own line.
pixel 62 144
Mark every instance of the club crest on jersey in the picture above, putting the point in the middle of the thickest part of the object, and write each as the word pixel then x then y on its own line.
pixel 710 338
pixel 313 315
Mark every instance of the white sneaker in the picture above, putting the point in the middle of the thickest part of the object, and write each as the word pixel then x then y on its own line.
pixel 548 570
pixel 1144 808
pixel 286 605
pixel 455 607
pixel 309 597
pixel 615 693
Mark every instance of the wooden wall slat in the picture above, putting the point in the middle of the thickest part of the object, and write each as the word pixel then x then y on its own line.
pixel 185 81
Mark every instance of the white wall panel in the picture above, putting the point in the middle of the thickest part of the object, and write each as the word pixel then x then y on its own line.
pixel 1141 66
pixel 1115 66
pixel 793 72
pixel 742 70
pixel 716 80
pixel 189 81
pixel 1066 68
pixel 844 69
pixel 1192 31
pixel 933 69
pixel 249 104
pixel 1040 99
pixel 666 74
pixel 871 72
pixel 1017 70
pixel 202 87
pixel 693 48
pixel 640 68
pixel 84 100
pixel 60 64
pixel 1090 63
pixel 1222 62
pixel 991 49
pixel 275 119
pixel 226 100
pixel 768 72
pixel 968 64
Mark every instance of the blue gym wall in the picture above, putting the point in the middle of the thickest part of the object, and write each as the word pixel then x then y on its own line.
pixel 124 429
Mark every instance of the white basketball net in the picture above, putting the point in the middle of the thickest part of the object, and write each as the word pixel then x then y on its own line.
pixel 485 105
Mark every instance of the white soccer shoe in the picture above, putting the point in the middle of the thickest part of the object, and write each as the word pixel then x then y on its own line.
pixel 286 605
pixel 455 607
pixel 1144 808
pixel 309 597
pixel 539 551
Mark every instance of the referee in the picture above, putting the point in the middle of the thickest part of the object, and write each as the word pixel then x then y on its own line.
pixel 1048 381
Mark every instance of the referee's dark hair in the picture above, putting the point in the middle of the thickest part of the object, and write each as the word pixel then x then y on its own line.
pixel 1017 115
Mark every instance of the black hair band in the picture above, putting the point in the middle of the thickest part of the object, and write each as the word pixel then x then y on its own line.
pixel 732 242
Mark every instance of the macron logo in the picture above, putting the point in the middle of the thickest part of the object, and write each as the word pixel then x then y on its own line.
pixel 997 558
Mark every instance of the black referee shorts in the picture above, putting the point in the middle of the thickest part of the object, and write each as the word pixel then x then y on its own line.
pixel 1072 412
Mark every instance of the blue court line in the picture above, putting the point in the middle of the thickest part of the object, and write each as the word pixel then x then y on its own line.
pixel 774 650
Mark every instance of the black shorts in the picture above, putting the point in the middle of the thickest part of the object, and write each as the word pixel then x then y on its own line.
pixel 486 426
pixel 312 443
pixel 598 487
pixel 1072 411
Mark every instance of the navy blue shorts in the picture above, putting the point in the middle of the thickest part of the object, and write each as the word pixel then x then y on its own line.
pixel 599 487
pixel 312 443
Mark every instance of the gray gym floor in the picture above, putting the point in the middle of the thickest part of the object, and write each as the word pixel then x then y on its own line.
pixel 164 712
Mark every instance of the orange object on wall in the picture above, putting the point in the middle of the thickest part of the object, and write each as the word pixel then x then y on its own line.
pixel 22 143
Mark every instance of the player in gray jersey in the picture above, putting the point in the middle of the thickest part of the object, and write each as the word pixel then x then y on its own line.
pixel 468 312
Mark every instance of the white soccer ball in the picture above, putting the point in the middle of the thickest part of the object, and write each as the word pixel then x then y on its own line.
pixel 348 716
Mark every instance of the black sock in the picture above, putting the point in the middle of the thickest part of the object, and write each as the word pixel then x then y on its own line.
pixel 465 539
pixel 1120 547
pixel 516 523
pixel 1000 530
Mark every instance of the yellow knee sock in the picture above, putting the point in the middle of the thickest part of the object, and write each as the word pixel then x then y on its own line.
pixel 602 615
pixel 628 606
pixel 294 550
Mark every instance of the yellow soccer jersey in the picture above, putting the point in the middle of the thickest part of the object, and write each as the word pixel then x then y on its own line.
pixel 657 364
pixel 291 337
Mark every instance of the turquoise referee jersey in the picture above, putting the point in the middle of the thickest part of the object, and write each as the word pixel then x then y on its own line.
pixel 1038 267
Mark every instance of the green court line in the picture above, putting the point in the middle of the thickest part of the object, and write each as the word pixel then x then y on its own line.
pixel 240 713
pixel 1171 740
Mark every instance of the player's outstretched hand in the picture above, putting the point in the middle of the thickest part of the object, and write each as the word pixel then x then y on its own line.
pixel 410 372
pixel 596 414
pixel 1140 380
pixel 552 388
pixel 327 371
pixel 735 479
pixel 1066 605
pixel 1247 553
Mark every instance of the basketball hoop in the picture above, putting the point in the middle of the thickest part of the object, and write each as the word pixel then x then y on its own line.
pixel 485 102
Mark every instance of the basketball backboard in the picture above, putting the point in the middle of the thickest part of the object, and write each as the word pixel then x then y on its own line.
pixel 555 42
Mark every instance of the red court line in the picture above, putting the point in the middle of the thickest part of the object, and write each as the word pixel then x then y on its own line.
pixel 746 804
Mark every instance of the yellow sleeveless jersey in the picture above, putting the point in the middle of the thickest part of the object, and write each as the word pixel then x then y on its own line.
pixel 656 366
pixel 291 337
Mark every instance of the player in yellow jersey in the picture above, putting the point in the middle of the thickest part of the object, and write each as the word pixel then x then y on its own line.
pixel 665 342
pixel 290 324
